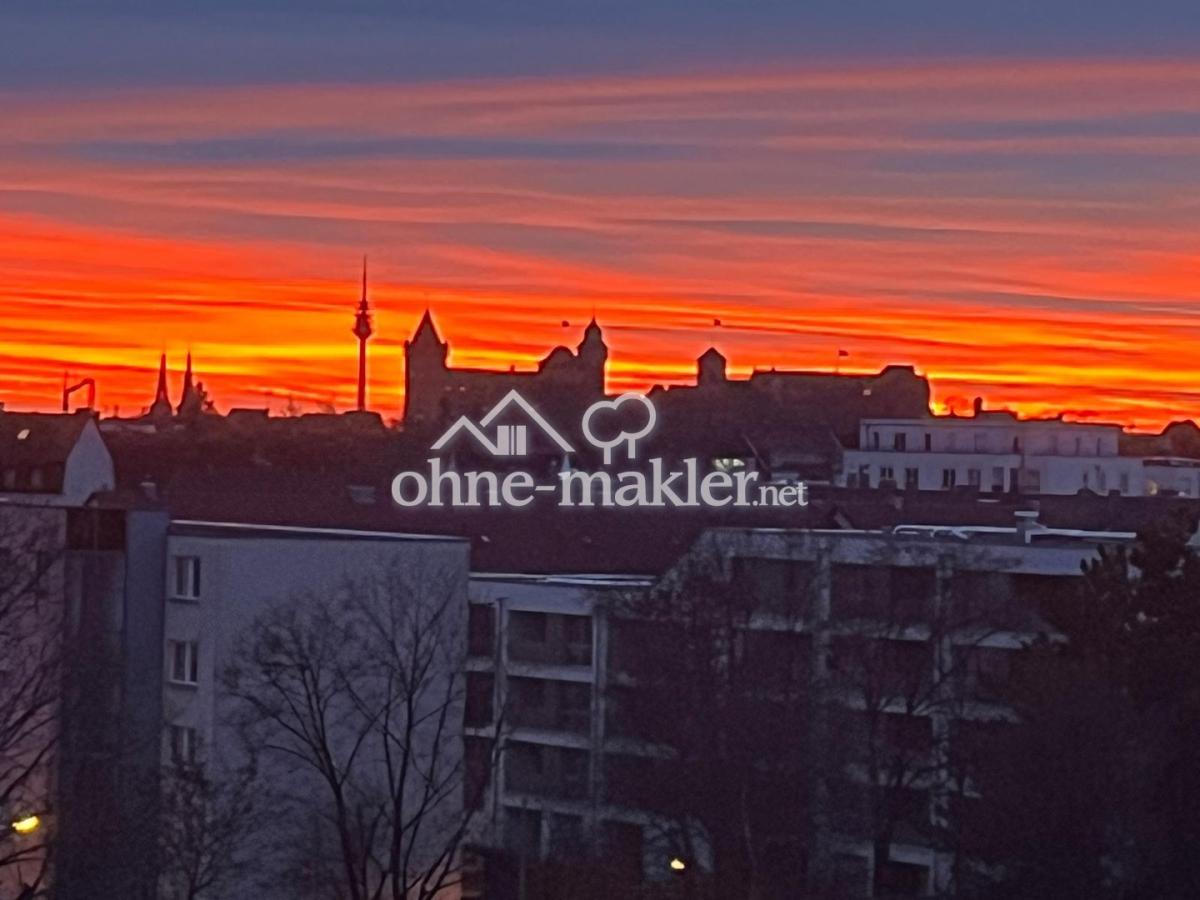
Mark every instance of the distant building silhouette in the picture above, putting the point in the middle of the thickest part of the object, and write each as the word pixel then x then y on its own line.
pixel 434 392
pixel 193 401
pixel 363 330
pixel 160 409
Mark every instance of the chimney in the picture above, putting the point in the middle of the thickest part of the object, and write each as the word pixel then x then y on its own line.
pixel 978 405
pixel 1027 524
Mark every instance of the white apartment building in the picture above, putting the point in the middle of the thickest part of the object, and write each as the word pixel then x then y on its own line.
pixel 221 575
pixel 1171 474
pixel 992 452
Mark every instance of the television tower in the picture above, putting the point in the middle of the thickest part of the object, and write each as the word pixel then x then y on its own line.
pixel 362 331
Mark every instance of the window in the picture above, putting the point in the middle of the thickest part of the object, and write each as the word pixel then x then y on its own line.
pixel 481 630
pixel 528 626
pixel 928 441
pixel 1124 483
pixel 886 473
pixel 477 708
pixel 899 441
pixel 184 658
pixel 911 479
pixel 948 478
pixel 864 476
pixel 185 744
pixel 874 440
pixel 186 577
pixel 974 477
pixel 998 478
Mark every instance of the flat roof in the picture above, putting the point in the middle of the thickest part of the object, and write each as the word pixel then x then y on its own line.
pixel 198 528
pixel 582 579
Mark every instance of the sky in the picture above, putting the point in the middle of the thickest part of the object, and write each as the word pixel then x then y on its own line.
pixel 1006 196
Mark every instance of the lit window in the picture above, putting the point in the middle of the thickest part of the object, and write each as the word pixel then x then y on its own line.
pixel 185 578
pixel 184 658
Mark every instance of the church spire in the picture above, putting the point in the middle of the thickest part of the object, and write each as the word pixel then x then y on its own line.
pixel 189 389
pixel 161 407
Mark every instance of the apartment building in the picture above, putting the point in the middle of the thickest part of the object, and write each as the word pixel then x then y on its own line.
pixel 991 452
pixel 80 648
pixel 537 673
pixel 943 608
pixel 220 575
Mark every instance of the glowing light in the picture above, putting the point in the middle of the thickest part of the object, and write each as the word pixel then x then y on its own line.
pixel 677 864
pixel 27 825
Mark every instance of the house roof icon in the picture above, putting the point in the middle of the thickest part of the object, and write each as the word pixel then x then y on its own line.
pixel 509 440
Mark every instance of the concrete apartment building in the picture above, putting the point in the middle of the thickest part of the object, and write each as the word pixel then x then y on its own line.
pixel 137 616
pixel 992 452
pixel 536 676
pixel 954 602
pixel 220 575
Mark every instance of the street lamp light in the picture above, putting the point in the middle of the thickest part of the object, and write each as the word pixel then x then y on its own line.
pixel 26 825
pixel 677 864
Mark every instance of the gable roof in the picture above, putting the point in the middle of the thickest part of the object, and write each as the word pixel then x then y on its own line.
pixel 39 441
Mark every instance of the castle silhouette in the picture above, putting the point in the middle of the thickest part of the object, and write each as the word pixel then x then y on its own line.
pixel 435 393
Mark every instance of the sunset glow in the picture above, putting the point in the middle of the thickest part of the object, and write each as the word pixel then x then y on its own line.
pixel 1026 233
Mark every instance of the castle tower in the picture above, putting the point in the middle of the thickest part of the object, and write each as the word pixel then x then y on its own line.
pixel 593 356
pixel 362 331
pixel 161 407
pixel 710 368
pixel 425 356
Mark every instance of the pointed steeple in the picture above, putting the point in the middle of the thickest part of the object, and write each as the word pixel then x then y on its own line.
pixel 161 407
pixel 191 404
pixel 426 329
pixel 189 389
pixel 593 340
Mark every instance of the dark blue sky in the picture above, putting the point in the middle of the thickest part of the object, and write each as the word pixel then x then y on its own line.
pixel 80 43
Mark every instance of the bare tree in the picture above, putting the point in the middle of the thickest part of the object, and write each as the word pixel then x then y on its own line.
pixel 31 619
pixel 717 688
pixel 354 702
pixel 208 820
pixel 907 641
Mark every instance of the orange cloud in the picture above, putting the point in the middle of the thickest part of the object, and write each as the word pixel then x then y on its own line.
pixel 1027 233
